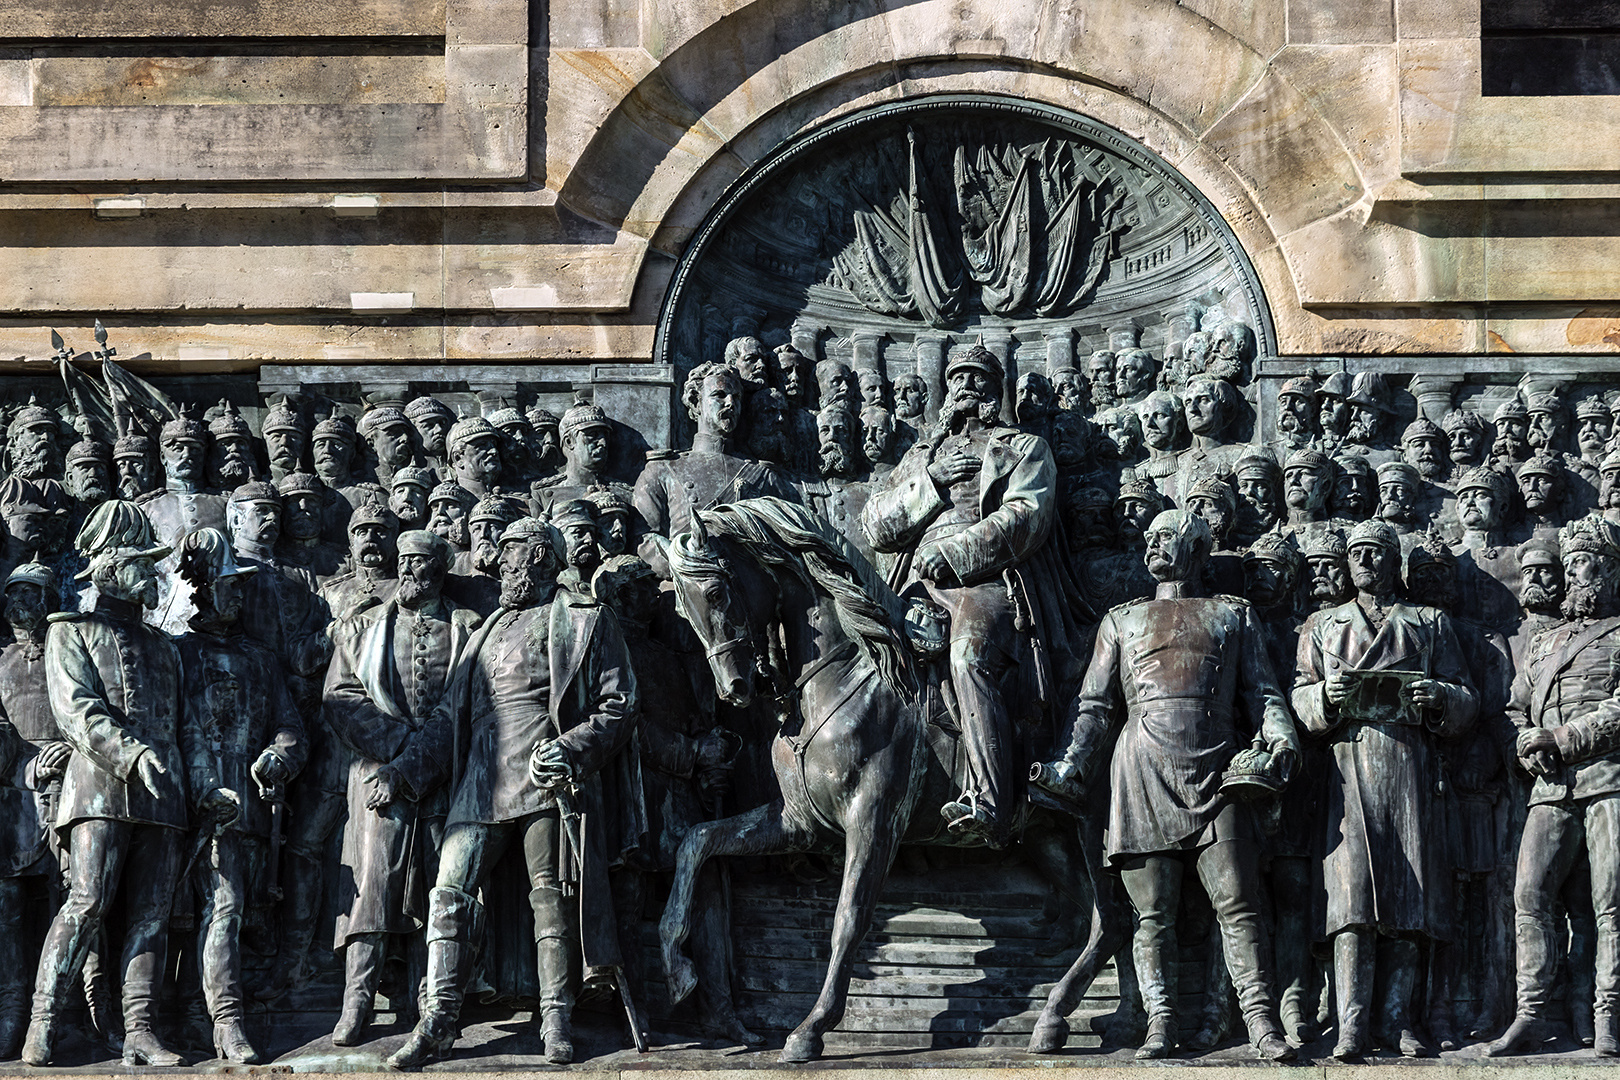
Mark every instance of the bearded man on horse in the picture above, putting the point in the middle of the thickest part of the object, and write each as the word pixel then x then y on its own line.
pixel 977 499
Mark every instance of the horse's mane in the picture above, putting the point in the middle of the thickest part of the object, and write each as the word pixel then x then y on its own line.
pixel 778 532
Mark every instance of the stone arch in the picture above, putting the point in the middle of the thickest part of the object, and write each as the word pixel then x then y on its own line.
pixel 713 104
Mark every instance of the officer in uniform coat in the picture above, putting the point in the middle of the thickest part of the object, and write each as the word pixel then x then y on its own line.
pixel 1386 876
pixel 391 669
pixel 114 685
pixel 235 692
pixel 1190 676
pixel 547 692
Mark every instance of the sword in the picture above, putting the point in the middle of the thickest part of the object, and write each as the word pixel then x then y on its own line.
pixel 272 794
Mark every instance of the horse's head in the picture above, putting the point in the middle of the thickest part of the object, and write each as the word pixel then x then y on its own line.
pixel 706 598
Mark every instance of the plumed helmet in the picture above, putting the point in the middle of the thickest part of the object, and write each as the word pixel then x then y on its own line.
pixel 206 555
pixel 1592 533
pixel 117 526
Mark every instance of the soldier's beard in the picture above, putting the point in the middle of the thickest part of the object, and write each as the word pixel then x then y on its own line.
pixel 1587 601
pixel 413 592
pixel 1361 429
pixel 965 405
pixel 1510 446
pixel 34 461
pixel 487 559
pixel 91 492
pixel 233 472
pixel 835 460
pixel 1536 598
pixel 519 590
pixel 1254 519
pixel 1393 510
pixel 131 488
pixel 1324 587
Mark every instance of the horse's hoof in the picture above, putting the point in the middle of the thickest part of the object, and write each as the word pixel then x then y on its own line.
pixel 1049 1036
pixel 682 979
pixel 801 1047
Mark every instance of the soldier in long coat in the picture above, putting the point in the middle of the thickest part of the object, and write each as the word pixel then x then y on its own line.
pixel 392 667
pixel 547 692
pixel 977 501
pixel 1188 676
pixel 114 686
pixel 235 692
pixel 1385 872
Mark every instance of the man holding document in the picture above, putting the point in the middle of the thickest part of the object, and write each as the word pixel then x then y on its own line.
pixel 1383 680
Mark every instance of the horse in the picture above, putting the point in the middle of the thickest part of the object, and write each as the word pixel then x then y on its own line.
pixel 857 755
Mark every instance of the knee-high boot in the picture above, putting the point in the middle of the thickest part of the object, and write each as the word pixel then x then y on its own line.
pixel 362 968
pixel 451 914
pixel 1154 951
pixel 1535 960
pixel 1400 983
pixel 1354 957
pixel 551 953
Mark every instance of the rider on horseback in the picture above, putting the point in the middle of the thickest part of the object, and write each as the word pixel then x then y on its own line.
pixel 977 499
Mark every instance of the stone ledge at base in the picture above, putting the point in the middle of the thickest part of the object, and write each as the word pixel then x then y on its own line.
pixel 500 1043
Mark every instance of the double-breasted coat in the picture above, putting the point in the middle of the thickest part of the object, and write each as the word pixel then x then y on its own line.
pixel 1386 863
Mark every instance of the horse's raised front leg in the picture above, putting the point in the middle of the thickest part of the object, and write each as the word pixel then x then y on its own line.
pixel 760 831
pixel 868 853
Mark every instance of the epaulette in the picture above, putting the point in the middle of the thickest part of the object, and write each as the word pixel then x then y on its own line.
pixel 1241 601
pixel 65 616
pixel 148 496
pixel 661 455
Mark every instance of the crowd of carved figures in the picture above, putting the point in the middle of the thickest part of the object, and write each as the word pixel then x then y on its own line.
pixel 1349 684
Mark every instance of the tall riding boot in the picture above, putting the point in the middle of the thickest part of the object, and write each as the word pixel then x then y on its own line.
pixel 59 961
pixel 551 951
pixel 451 915
pixel 1606 1011
pixel 13 971
pixel 101 1013
pixel 1354 959
pixel 711 954
pixel 1400 982
pixel 1536 961
pixel 1154 953
pixel 1581 966
pixel 1216 1022
pixel 362 968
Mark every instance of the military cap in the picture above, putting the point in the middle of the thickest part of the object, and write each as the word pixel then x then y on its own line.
pixel 574 512
pixel 1369 388
pixel 977 357
pixel 422 542
pixel 256 491
pixel 1324 544
pixel 501 419
pixel 1373 532
pixel 450 491
pixel 1459 419
pixel 527 530
pixel 1423 428
pixel 335 426
pixel 229 424
pixel 496 508
pixel 34 415
pixel 1256 463
pixel 1611 461
pixel 1511 409
pixel 1545 401
pixel 466 430
pixel 542 418
pixel 87 450
pixel 1353 464
pixel 281 417
pixel 373 511
pixel 1336 385
pixel 22 496
pixel 1306 458
pixel 1542 464
pixel 1591 406
pixel 31 573
pixel 1537 551
pixel 1216 488
pixel 607 501
pixel 1275 547
pixel 382 417
pixel 1430 550
pixel 1301 386
pixel 1399 470
pixel 1141 490
pixel 1592 533
pixel 415 475
pixel 1480 478
pixel 420 408
pixel 132 446
pixel 300 483
pixel 583 415
pixel 183 429
pixel 117 527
